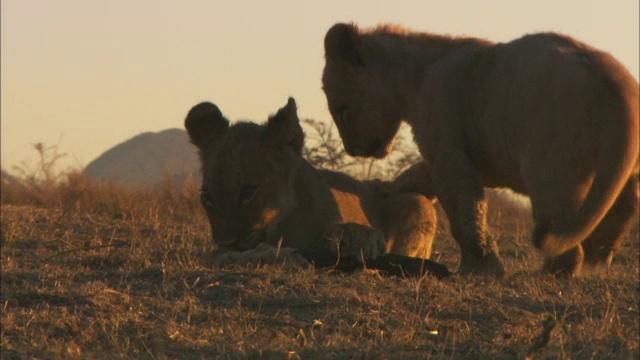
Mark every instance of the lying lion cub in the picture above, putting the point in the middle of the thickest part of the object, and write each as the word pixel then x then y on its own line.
pixel 257 189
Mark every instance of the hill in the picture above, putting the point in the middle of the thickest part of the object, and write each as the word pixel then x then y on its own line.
pixel 146 159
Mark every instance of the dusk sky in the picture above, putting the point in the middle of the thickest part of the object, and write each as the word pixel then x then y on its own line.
pixel 85 75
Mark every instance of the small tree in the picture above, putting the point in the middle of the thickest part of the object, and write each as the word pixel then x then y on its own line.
pixel 327 151
pixel 323 149
pixel 45 169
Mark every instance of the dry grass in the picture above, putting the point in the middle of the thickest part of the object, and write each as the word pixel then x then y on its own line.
pixel 118 273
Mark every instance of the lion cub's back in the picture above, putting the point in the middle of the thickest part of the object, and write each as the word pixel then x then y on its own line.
pixel 357 201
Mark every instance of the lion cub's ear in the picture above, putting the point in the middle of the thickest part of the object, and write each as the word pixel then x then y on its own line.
pixel 205 125
pixel 284 128
pixel 342 44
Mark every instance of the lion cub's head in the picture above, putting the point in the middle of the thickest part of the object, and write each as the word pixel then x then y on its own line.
pixel 247 170
pixel 361 100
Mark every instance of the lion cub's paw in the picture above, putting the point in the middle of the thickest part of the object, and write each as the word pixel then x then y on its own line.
pixel 262 254
pixel 356 241
pixel 224 258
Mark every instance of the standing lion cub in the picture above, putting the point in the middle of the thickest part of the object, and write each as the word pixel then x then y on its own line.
pixel 544 115
pixel 257 189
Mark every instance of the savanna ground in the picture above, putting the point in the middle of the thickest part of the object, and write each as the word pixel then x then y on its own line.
pixel 99 270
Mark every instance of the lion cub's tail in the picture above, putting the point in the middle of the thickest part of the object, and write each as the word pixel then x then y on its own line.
pixel 617 161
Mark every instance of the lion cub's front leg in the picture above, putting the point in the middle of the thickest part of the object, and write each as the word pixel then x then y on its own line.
pixel 465 206
pixel 351 240
pixel 262 254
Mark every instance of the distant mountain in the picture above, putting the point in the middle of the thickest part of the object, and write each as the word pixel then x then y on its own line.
pixel 147 159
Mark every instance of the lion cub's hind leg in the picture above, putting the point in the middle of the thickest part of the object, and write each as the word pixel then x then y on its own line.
pixel 567 264
pixel 355 241
pixel 410 223
pixel 603 242
pixel 558 205
pixel 556 195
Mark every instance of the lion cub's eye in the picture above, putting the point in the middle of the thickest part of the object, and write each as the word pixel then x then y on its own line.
pixel 246 194
pixel 206 198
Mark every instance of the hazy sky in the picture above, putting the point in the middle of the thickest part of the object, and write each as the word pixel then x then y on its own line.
pixel 87 74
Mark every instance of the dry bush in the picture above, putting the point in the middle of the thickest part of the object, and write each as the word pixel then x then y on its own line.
pixel 76 193
pixel 44 171
pixel 323 149
pixel 72 191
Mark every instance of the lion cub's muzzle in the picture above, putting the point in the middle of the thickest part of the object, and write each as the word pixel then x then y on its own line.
pixel 378 149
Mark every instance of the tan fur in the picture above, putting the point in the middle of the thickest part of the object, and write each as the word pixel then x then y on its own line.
pixel 544 115
pixel 258 189
pixel 415 179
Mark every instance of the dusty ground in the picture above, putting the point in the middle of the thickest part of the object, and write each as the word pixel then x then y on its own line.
pixel 114 285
